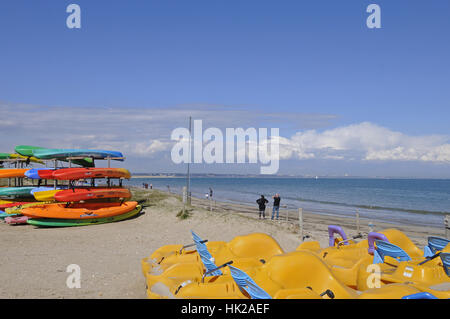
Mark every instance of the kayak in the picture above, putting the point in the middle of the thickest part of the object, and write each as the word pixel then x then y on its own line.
pixel 64 153
pixel 12 204
pixel 45 173
pixel 16 191
pixel 79 194
pixel 15 220
pixel 4 156
pixel 31 158
pixel 84 173
pixel 27 150
pixel 79 211
pixel 13 172
pixel 46 195
pixel 3 215
pixel 34 173
pixel 16 210
pixel 53 222
pixel 43 189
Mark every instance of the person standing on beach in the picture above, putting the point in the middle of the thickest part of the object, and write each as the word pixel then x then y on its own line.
pixel 210 192
pixel 262 206
pixel 276 205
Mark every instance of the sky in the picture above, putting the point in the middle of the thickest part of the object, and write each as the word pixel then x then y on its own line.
pixel 348 100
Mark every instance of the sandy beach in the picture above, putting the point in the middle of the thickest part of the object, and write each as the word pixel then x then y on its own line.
pixel 34 261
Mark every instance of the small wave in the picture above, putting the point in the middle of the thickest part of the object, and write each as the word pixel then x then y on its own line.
pixel 371 207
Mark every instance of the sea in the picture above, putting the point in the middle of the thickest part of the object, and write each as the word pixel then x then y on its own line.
pixel 399 201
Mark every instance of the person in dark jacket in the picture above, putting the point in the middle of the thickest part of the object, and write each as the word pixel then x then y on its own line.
pixel 276 205
pixel 262 206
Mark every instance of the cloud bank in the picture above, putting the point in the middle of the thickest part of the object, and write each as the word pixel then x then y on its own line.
pixel 144 133
pixel 367 142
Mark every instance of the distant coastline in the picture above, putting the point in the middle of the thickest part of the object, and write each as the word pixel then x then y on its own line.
pixel 210 175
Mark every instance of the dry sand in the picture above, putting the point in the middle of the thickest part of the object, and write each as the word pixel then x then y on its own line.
pixel 34 260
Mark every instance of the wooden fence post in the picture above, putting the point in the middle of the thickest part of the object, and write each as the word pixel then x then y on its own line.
pixel 300 221
pixel 447 226
pixel 357 223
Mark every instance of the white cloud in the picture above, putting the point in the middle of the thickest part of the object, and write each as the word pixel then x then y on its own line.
pixel 365 141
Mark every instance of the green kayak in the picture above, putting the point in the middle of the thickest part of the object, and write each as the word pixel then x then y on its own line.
pixel 17 191
pixel 27 150
pixel 4 156
pixel 59 222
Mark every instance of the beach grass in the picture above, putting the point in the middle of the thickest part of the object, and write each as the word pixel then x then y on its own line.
pixel 152 197
pixel 184 213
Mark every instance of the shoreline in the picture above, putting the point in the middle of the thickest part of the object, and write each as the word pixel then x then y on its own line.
pixel 311 218
pixel 332 211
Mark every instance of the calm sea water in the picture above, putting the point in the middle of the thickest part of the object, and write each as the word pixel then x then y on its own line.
pixel 412 201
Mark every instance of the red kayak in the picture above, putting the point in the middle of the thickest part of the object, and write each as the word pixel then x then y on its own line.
pixel 86 173
pixel 46 173
pixel 79 194
pixel 13 204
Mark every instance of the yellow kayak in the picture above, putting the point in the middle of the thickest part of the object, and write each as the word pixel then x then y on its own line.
pixel 18 209
pixel 32 158
pixel 46 196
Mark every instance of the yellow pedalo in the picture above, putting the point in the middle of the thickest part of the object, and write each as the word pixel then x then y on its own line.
pixel 298 274
pixel 295 275
pixel 345 257
pixel 247 252
pixel 171 254
pixel 253 246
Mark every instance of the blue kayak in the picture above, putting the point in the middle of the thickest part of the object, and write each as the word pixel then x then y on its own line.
pixel 3 215
pixel 44 188
pixel 64 153
pixel 33 173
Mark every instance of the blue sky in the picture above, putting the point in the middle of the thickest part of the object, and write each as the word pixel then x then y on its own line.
pixel 307 57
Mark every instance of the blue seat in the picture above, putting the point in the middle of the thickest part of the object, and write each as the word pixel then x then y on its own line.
pixel 435 244
pixel 246 283
pixel 387 249
pixel 205 256
pixel 420 295
pixel 445 257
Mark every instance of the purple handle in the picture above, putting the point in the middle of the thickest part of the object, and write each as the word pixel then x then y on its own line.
pixel 371 239
pixel 333 229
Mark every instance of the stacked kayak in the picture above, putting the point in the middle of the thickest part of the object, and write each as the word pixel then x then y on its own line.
pixel 254 266
pixel 8 156
pixel 64 153
pixel 12 172
pixel 75 205
pixel 66 196
pixel 16 192
pixel 59 215
pixel 27 151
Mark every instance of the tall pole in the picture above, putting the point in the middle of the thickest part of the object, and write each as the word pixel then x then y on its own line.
pixel 188 186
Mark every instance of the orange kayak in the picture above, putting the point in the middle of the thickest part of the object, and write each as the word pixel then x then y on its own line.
pixel 13 172
pixel 85 173
pixel 79 194
pixel 79 211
